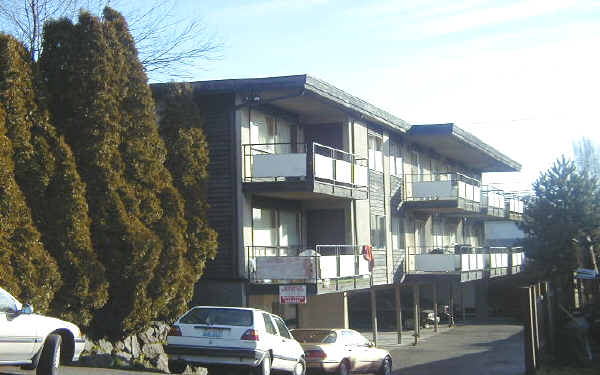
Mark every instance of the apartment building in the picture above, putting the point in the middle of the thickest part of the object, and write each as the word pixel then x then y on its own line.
pixel 313 187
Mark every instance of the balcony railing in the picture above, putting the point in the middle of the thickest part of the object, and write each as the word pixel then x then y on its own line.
pixel 499 261
pixel 281 162
pixel 513 207
pixel 492 201
pixel 448 187
pixel 325 263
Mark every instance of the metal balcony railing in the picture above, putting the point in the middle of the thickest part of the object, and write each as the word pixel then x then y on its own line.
pixel 273 264
pixel 513 206
pixel 492 200
pixel 443 187
pixel 276 162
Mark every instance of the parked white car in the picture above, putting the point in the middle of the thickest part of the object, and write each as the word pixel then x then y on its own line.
pixel 233 337
pixel 34 341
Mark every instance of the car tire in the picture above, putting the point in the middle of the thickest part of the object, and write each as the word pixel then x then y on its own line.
pixel 50 358
pixel 177 367
pixel 300 367
pixel 344 368
pixel 386 367
pixel 265 366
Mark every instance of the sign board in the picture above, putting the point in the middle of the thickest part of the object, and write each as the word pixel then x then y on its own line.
pixel 292 294
pixel 585 273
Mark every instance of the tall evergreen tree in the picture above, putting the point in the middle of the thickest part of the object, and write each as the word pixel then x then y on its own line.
pixel 564 209
pixel 47 175
pixel 100 98
pixel 26 268
pixel 180 123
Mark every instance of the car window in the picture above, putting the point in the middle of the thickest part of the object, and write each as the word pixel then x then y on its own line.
pixel 283 331
pixel 7 302
pixel 211 316
pixel 269 327
pixel 359 339
pixel 348 338
pixel 315 336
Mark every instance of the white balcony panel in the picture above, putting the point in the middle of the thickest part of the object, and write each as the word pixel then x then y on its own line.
pixel 362 175
pixel 480 264
pixel 328 267
pixel 285 268
pixel 476 193
pixel 433 190
pixel 493 260
pixel 473 262
pixel 464 262
pixel 363 266
pixel 503 260
pixel 517 259
pixel 436 262
pixel 279 165
pixel 343 171
pixel 323 167
pixel 411 262
pixel 347 265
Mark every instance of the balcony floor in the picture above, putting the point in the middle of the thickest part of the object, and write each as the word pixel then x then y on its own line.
pixel 304 190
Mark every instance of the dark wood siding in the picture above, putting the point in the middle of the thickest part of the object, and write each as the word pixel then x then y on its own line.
pixel 221 194
pixel 395 192
pixel 380 267
pixel 376 193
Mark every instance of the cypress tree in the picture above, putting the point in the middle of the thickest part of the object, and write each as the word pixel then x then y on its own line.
pixel 48 177
pixel 180 123
pixel 100 99
pixel 26 268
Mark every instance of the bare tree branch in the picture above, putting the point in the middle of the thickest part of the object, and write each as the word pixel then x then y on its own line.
pixel 167 44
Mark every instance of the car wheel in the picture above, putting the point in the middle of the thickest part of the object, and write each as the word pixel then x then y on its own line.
pixel 177 367
pixel 300 368
pixel 50 357
pixel 386 367
pixel 344 368
pixel 265 366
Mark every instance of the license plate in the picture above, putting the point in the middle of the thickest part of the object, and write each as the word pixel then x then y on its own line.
pixel 212 332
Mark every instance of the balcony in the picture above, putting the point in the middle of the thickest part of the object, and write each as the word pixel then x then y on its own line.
pixel 492 202
pixel 330 268
pixel 513 207
pixel 470 263
pixel 452 193
pixel 304 171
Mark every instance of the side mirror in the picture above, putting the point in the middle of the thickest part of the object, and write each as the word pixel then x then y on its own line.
pixel 27 309
pixel 371 344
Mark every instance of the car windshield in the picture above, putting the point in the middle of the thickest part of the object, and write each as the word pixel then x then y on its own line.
pixel 226 317
pixel 315 336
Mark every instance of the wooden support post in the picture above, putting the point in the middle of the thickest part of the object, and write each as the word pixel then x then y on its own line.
pixel 398 313
pixel 417 323
pixel 374 314
pixel 529 332
pixel 435 307
pixel 535 295
pixel 345 307
pixel 550 309
pixel 451 307
pixel 462 303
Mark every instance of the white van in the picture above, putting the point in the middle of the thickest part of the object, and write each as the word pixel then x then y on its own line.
pixel 226 337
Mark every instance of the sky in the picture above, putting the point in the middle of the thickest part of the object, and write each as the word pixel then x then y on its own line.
pixel 520 75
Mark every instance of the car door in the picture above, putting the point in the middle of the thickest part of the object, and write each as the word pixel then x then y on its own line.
pixel 17 333
pixel 273 340
pixel 289 350
pixel 367 357
pixel 358 348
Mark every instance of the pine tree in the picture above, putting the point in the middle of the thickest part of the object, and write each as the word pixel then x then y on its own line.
pixel 564 208
pixel 100 100
pixel 180 123
pixel 26 268
pixel 47 175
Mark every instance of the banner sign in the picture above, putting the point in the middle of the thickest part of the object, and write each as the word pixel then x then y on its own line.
pixel 292 294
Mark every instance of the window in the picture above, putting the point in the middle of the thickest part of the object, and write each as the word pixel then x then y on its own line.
pixel 7 303
pixel 283 331
pixel 378 231
pixel 210 316
pixel 269 327
pixel 375 153
pixel 278 231
pixel 396 164
pixel 397 233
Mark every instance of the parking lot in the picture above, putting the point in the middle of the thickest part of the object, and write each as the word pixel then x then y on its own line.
pixel 473 349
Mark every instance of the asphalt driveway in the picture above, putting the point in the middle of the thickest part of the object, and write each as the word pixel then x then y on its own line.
pixel 473 349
